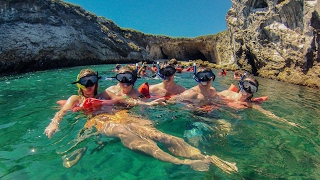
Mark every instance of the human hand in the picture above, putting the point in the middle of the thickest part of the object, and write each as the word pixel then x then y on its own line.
pixel 51 129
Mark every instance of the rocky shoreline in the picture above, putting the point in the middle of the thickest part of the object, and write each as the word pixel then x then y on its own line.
pixel 273 39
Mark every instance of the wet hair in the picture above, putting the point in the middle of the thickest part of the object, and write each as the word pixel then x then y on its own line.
pixel 85 72
pixel 203 68
pixel 252 78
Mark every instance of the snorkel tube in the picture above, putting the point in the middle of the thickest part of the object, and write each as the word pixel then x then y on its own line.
pixel 241 84
pixel 158 71
pixel 137 68
pixel 195 73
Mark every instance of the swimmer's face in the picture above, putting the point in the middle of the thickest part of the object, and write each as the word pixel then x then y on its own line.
pixel 89 90
pixel 206 83
pixel 168 73
pixel 249 86
pixel 125 78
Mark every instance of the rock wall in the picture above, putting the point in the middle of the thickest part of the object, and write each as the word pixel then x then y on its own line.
pixel 277 39
pixel 43 34
pixel 46 34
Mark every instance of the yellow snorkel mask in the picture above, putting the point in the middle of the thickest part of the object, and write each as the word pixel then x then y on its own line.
pixel 86 81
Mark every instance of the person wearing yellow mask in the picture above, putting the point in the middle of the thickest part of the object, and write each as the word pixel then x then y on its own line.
pixel 87 83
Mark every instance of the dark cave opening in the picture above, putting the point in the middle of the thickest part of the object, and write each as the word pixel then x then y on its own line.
pixel 260 4
pixel 164 56
pixel 197 55
pixel 250 57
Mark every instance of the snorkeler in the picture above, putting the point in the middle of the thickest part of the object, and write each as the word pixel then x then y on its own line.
pixel 126 78
pixel 223 72
pixel 143 69
pixel 204 90
pixel 118 66
pixel 243 98
pixel 87 83
pixel 237 75
pixel 167 87
pixel 124 91
pixel 135 133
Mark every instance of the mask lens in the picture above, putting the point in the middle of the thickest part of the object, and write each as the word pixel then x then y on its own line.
pixel 249 87
pixel 89 80
pixel 167 71
pixel 125 77
pixel 205 76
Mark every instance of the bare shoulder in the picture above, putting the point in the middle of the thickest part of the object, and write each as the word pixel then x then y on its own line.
pixel 189 94
pixel 223 93
pixel 154 87
pixel 71 102
pixel 107 94
pixel 180 88
pixel 136 94
pixel 113 89
pixel 74 98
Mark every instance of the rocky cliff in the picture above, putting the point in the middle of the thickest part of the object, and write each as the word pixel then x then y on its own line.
pixel 45 34
pixel 278 39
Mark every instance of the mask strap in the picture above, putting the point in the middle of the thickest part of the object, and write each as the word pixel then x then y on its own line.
pixel 195 72
pixel 80 86
pixel 158 71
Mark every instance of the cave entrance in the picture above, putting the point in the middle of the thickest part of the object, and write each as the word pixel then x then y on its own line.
pixel 197 55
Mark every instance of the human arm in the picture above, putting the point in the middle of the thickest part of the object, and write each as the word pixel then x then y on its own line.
pixel 55 121
pixel 273 116
pixel 141 68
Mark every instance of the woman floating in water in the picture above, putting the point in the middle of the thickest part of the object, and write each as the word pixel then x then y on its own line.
pixel 243 98
pixel 137 133
pixel 87 83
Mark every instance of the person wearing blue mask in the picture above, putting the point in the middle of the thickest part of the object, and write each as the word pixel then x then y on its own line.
pixel 243 98
pixel 203 92
pixel 167 87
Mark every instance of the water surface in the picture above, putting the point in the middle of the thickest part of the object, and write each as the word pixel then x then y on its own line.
pixel 262 147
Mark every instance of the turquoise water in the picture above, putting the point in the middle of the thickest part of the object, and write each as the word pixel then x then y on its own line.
pixel 263 148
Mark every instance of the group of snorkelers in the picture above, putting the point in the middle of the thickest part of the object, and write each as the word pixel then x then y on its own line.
pixel 139 133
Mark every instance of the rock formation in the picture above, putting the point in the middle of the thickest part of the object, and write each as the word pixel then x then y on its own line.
pixel 46 34
pixel 277 39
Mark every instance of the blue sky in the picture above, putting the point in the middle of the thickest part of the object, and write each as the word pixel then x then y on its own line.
pixel 175 18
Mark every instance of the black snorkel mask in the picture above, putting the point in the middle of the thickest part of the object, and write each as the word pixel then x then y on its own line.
pixel 165 72
pixel 202 77
pixel 87 81
pixel 127 78
pixel 247 86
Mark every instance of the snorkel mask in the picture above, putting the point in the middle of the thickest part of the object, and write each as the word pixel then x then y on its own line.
pixel 127 78
pixel 165 72
pixel 202 77
pixel 247 86
pixel 86 81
